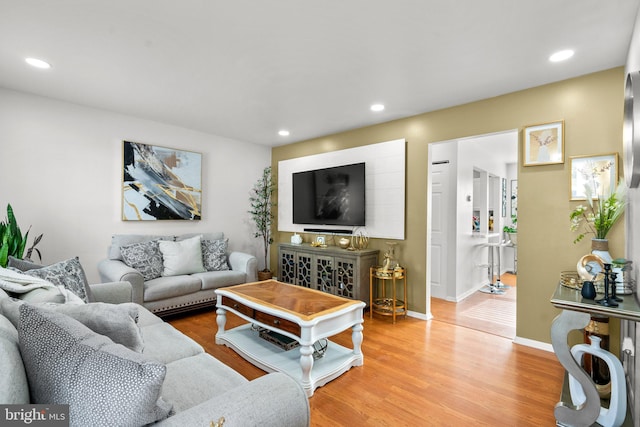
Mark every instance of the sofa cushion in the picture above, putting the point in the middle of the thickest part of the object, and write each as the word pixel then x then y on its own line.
pixel 216 235
pixel 217 279
pixel 22 264
pixel 43 295
pixel 144 257
pixel 193 380
pixel 183 257
pixel 164 343
pixel 119 240
pixel 116 321
pixel 14 388
pixel 147 318
pixel 103 383
pixel 69 274
pixel 214 254
pixel 169 287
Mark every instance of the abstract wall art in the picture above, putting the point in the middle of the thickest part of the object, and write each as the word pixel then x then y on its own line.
pixel 160 183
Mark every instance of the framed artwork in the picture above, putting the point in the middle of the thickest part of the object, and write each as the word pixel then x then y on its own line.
pixel 599 173
pixel 504 197
pixel 514 197
pixel 160 183
pixel 543 144
pixel 320 240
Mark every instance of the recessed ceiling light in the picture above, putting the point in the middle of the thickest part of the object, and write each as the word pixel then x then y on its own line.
pixel 38 63
pixel 283 132
pixel 377 107
pixel 561 55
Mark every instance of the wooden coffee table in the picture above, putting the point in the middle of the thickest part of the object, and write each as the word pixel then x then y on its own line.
pixel 302 314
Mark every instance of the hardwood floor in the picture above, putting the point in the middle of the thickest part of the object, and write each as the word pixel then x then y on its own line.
pixel 490 313
pixel 416 372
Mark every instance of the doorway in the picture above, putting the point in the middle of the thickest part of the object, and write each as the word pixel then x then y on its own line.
pixel 469 205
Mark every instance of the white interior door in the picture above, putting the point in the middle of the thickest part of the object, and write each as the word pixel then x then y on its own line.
pixel 439 226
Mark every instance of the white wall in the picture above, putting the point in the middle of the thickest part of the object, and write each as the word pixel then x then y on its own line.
pixel 384 187
pixel 61 170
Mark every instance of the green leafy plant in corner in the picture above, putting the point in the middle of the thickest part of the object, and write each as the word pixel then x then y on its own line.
pixel 262 204
pixel 12 242
pixel 513 228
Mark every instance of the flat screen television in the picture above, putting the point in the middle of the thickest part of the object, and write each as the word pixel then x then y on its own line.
pixel 330 196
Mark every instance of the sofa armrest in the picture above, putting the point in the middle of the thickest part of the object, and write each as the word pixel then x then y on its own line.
pixel 246 263
pixel 113 292
pixel 112 270
pixel 272 400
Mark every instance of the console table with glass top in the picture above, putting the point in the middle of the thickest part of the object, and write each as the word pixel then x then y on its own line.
pixel 576 313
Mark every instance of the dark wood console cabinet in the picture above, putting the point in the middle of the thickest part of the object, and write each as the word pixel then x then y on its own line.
pixel 330 269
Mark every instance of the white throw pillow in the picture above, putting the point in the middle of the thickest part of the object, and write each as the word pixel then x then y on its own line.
pixel 183 257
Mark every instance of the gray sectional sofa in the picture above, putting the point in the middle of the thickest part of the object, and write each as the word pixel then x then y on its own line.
pixel 179 384
pixel 139 260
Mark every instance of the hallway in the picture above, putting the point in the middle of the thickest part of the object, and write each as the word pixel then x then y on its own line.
pixel 493 314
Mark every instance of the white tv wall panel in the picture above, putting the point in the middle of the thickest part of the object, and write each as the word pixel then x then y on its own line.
pixel 384 189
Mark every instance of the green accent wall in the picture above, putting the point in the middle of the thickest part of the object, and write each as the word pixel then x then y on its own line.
pixel 592 109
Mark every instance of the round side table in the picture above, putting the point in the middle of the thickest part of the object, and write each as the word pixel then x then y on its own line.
pixel 379 302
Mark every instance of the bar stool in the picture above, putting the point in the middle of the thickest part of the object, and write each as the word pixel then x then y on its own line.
pixel 497 288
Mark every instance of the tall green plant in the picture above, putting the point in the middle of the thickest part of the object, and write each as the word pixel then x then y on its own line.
pixel 12 242
pixel 262 205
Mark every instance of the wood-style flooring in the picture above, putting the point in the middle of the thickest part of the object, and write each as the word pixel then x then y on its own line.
pixel 420 373
pixel 491 313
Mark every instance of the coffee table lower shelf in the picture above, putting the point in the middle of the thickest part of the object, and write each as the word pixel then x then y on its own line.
pixel 271 358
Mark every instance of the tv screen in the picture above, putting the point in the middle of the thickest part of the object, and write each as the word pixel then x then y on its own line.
pixel 331 196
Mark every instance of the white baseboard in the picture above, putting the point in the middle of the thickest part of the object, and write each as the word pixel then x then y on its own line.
pixel 420 316
pixel 533 343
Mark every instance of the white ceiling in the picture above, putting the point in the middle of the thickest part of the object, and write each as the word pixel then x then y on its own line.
pixel 246 69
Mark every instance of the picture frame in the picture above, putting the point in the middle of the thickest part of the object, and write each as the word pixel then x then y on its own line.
pixel 514 197
pixel 320 240
pixel 160 183
pixel 599 171
pixel 504 197
pixel 543 144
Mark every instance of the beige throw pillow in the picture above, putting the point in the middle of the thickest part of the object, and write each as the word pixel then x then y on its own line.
pixel 183 257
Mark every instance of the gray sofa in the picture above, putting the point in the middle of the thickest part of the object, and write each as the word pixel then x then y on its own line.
pixel 162 294
pixel 199 388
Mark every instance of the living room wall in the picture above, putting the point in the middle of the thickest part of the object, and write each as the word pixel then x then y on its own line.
pixel 591 107
pixel 61 170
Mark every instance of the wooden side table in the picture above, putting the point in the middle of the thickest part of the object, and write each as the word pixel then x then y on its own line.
pixel 378 301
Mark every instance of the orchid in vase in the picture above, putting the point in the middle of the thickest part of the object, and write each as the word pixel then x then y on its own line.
pixel 598 217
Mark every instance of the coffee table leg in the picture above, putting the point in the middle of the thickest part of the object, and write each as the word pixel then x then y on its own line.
pixel 356 338
pixel 221 320
pixel 306 363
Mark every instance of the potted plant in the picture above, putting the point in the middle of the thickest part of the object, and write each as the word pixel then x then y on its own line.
pixel 12 242
pixel 512 230
pixel 598 218
pixel 262 205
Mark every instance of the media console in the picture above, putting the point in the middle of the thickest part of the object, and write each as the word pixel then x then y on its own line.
pixel 331 269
